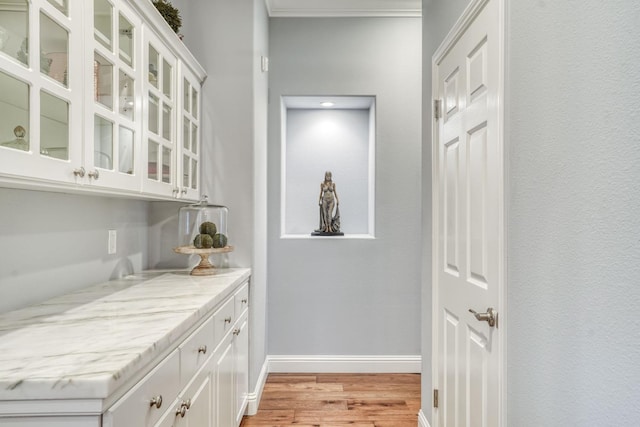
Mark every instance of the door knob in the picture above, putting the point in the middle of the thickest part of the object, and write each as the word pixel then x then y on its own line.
pixel 491 316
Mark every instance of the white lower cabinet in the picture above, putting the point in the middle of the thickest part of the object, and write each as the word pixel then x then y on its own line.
pixel 214 383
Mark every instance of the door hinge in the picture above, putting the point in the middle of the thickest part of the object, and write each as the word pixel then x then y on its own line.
pixel 437 109
pixel 435 397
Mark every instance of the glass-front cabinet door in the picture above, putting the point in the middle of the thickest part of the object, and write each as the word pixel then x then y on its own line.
pixel 160 134
pixel 189 152
pixel 113 95
pixel 40 89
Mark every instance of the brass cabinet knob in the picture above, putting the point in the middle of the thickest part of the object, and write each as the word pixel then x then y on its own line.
pixel 95 174
pixel 202 349
pixel 156 401
pixel 227 319
pixel 236 332
pixel 79 172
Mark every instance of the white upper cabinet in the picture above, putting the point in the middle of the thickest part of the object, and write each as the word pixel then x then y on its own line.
pixel 113 97
pixel 98 95
pixel 40 90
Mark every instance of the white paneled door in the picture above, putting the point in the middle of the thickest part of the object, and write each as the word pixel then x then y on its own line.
pixel 468 187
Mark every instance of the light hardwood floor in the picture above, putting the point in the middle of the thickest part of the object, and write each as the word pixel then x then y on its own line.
pixel 338 400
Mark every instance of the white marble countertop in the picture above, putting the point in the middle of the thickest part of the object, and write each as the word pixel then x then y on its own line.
pixel 86 344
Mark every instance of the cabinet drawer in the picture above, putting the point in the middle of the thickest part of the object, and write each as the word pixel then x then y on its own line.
pixel 195 351
pixel 241 300
pixel 223 320
pixel 135 409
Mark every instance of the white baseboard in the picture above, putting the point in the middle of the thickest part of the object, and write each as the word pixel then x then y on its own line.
pixel 253 399
pixel 345 364
pixel 422 420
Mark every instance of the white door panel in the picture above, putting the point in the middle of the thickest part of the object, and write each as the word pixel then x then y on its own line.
pixel 468 231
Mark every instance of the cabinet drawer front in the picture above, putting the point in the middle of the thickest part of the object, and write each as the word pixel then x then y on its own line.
pixel 223 320
pixel 241 300
pixel 195 351
pixel 135 409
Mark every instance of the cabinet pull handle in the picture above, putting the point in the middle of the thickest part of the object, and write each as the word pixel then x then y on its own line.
pixel 182 411
pixel 156 401
pixel 187 404
pixel 244 301
pixel 227 319
pixel 202 349
pixel 175 191
pixel 79 172
pixel 184 191
pixel 95 174
pixel 236 332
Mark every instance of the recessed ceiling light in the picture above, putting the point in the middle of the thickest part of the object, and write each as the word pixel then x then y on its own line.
pixel 327 104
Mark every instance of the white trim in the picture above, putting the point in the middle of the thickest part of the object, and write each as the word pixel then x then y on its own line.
pixel 346 236
pixel 253 398
pixel 345 364
pixel 358 8
pixel 336 13
pixel 422 420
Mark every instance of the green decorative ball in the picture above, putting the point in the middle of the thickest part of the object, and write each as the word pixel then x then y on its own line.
pixel 209 228
pixel 219 241
pixel 203 241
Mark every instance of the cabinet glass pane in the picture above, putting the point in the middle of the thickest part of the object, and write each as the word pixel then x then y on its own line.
pixel 194 138
pixel 166 165
pixel 186 168
pixel 194 174
pixel 154 59
pixel 103 81
pixel 194 102
pixel 54 48
pixel 14 113
pixel 186 137
pixel 153 113
pixel 61 5
pixel 102 13
pixel 126 40
pixel 54 127
pixel 125 89
pixel 14 27
pixel 166 122
pixel 166 78
pixel 103 143
pixel 125 151
pixel 186 91
pixel 152 166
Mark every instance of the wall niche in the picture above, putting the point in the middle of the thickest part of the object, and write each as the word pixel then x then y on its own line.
pixel 327 133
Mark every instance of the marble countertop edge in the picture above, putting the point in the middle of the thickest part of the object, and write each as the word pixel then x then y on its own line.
pixel 92 342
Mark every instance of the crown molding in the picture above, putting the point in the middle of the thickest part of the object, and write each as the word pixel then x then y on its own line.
pixel 344 8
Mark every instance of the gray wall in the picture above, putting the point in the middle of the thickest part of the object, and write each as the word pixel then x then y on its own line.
pixel 228 37
pixel 573 223
pixel 438 18
pixel 573 136
pixel 54 243
pixel 347 296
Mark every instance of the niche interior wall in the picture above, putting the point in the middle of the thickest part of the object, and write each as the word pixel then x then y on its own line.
pixel 336 134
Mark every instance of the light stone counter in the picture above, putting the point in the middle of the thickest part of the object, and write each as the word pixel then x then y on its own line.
pixel 85 345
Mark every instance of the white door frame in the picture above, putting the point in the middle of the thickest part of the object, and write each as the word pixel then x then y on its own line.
pixel 461 25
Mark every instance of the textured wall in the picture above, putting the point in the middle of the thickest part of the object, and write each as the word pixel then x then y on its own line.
pixel 54 243
pixel 339 296
pixel 574 228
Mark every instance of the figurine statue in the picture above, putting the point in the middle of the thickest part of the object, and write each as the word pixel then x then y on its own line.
pixel 328 200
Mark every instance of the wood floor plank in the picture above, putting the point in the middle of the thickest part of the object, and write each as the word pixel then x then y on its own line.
pixel 338 400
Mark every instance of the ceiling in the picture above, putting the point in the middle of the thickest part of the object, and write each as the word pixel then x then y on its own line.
pixel 330 8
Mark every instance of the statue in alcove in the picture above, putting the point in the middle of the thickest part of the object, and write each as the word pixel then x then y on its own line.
pixel 329 209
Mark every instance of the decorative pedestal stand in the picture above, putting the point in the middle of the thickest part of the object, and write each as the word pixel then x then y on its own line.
pixel 205 268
